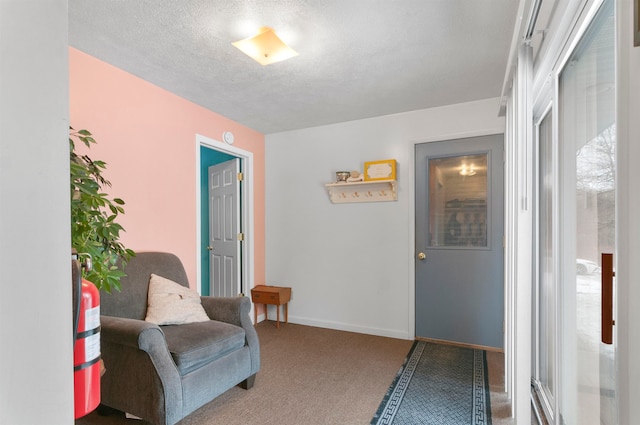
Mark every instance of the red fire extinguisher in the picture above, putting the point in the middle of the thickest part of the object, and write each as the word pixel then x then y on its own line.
pixel 86 351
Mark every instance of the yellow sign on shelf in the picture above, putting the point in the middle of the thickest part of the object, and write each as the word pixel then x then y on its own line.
pixel 380 170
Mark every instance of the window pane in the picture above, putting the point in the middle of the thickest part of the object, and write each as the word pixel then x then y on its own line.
pixel 588 157
pixel 458 201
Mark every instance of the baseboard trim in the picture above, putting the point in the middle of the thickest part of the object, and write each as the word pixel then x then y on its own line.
pixel 340 326
pixel 389 333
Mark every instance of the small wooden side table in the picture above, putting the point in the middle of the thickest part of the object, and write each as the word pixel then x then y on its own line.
pixel 274 295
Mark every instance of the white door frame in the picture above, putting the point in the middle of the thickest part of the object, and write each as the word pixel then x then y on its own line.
pixel 246 199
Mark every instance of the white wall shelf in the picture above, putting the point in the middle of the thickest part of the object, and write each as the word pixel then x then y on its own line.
pixel 367 191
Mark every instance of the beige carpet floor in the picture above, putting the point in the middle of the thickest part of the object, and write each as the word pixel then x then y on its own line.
pixel 316 376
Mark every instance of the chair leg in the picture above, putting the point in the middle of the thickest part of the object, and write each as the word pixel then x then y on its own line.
pixel 248 383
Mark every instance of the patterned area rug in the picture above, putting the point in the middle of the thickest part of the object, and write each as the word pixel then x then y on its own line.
pixel 438 385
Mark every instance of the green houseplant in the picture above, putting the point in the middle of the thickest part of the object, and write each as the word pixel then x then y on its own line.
pixel 94 227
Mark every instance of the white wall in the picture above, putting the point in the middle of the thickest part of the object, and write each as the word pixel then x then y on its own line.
pixel 36 364
pixel 351 265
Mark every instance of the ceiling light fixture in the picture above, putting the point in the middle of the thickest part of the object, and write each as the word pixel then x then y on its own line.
pixel 467 171
pixel 265 47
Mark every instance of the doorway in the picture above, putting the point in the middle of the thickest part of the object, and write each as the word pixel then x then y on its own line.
pixel 459 276
pixel 573 370
pixel 208 158
pixel 587 212
pixel 210 152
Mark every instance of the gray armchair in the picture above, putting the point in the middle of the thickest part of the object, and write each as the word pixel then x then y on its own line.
pixel 163 373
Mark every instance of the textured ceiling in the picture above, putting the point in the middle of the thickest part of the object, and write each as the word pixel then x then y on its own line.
pixel 357 58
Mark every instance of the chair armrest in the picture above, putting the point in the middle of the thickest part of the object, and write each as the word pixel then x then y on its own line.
pixel 140 335
pixel 227 309
pixel 235 310
pixel 130 332
pixel 135 352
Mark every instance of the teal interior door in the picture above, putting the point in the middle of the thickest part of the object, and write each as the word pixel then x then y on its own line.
pixel 459 241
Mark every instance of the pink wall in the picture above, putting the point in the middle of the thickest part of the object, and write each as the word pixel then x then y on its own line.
pixel 146 135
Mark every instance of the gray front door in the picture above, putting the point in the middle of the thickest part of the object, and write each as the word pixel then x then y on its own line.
pixel 224 229
pixel 459 241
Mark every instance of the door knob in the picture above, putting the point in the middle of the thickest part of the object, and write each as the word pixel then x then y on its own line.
pixel 422 256
pixel 210 248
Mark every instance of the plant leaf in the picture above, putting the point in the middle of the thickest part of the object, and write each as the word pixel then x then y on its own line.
pixel 94 231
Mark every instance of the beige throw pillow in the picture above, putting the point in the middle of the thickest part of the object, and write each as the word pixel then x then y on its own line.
pixel 170 303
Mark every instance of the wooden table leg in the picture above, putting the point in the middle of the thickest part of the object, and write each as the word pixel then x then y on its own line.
pixel 286 312
pixel 255 314
pixel 278 310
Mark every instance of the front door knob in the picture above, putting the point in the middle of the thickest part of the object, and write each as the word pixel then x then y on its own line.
pixel 210 248
pixel 422 256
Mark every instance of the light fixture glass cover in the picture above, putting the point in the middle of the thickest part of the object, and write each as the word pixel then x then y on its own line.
pixel 265 47
pixel 467 170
